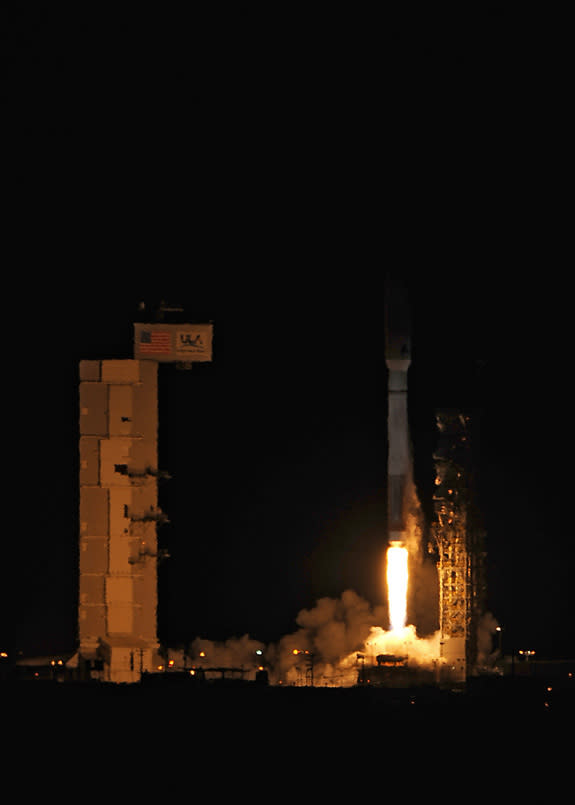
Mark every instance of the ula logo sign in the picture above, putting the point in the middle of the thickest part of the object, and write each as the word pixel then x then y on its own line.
pixel 191 341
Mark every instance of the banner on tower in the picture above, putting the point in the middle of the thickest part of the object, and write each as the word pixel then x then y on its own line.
pixel 167 343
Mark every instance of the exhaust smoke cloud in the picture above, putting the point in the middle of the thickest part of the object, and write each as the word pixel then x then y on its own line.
pixel 337 635
pixel 333 638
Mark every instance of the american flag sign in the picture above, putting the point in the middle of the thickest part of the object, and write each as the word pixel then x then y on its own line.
pixel 155 342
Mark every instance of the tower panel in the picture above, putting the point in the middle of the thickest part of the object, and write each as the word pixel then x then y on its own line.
pixel 121 410
pixel 92 624
pixel 94 514
pixel 120 371
pixel 94 555
pixel 120 604
pixel 89 460
pixel 120 505
pixel 93 409
pixel 114 462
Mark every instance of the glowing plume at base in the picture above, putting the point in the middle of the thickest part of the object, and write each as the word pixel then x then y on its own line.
pixel 397 577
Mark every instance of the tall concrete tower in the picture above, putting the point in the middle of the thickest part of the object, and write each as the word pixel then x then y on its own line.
pixel 118 517
pixel 119 510
pixel 398 360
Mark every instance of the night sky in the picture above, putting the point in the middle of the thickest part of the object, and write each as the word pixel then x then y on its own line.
pixel 270 191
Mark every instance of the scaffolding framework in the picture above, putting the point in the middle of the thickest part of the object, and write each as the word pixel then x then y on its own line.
pixel 458 539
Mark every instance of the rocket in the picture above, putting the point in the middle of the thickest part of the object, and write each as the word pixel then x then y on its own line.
pixel 398 359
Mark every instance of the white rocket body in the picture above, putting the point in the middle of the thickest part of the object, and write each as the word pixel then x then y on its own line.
pixel 398 360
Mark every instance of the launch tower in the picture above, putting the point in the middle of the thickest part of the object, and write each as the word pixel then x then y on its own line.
pixel 119 511
pixel 459 542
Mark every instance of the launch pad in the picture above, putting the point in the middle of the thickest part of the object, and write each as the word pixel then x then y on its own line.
pixel 119 511
pixel 394 671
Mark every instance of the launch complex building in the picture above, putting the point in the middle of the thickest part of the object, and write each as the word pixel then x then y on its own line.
pixel 119 512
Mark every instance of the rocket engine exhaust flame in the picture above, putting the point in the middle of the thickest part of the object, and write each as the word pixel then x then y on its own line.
pixel 397 576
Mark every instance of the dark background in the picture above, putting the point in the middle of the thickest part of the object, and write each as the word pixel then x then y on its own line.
pixel 267 177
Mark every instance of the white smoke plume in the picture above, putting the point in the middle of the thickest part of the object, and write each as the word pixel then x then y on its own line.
pixel 331 633
pixel 487 627
pixel 241 653
pixel 332 639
